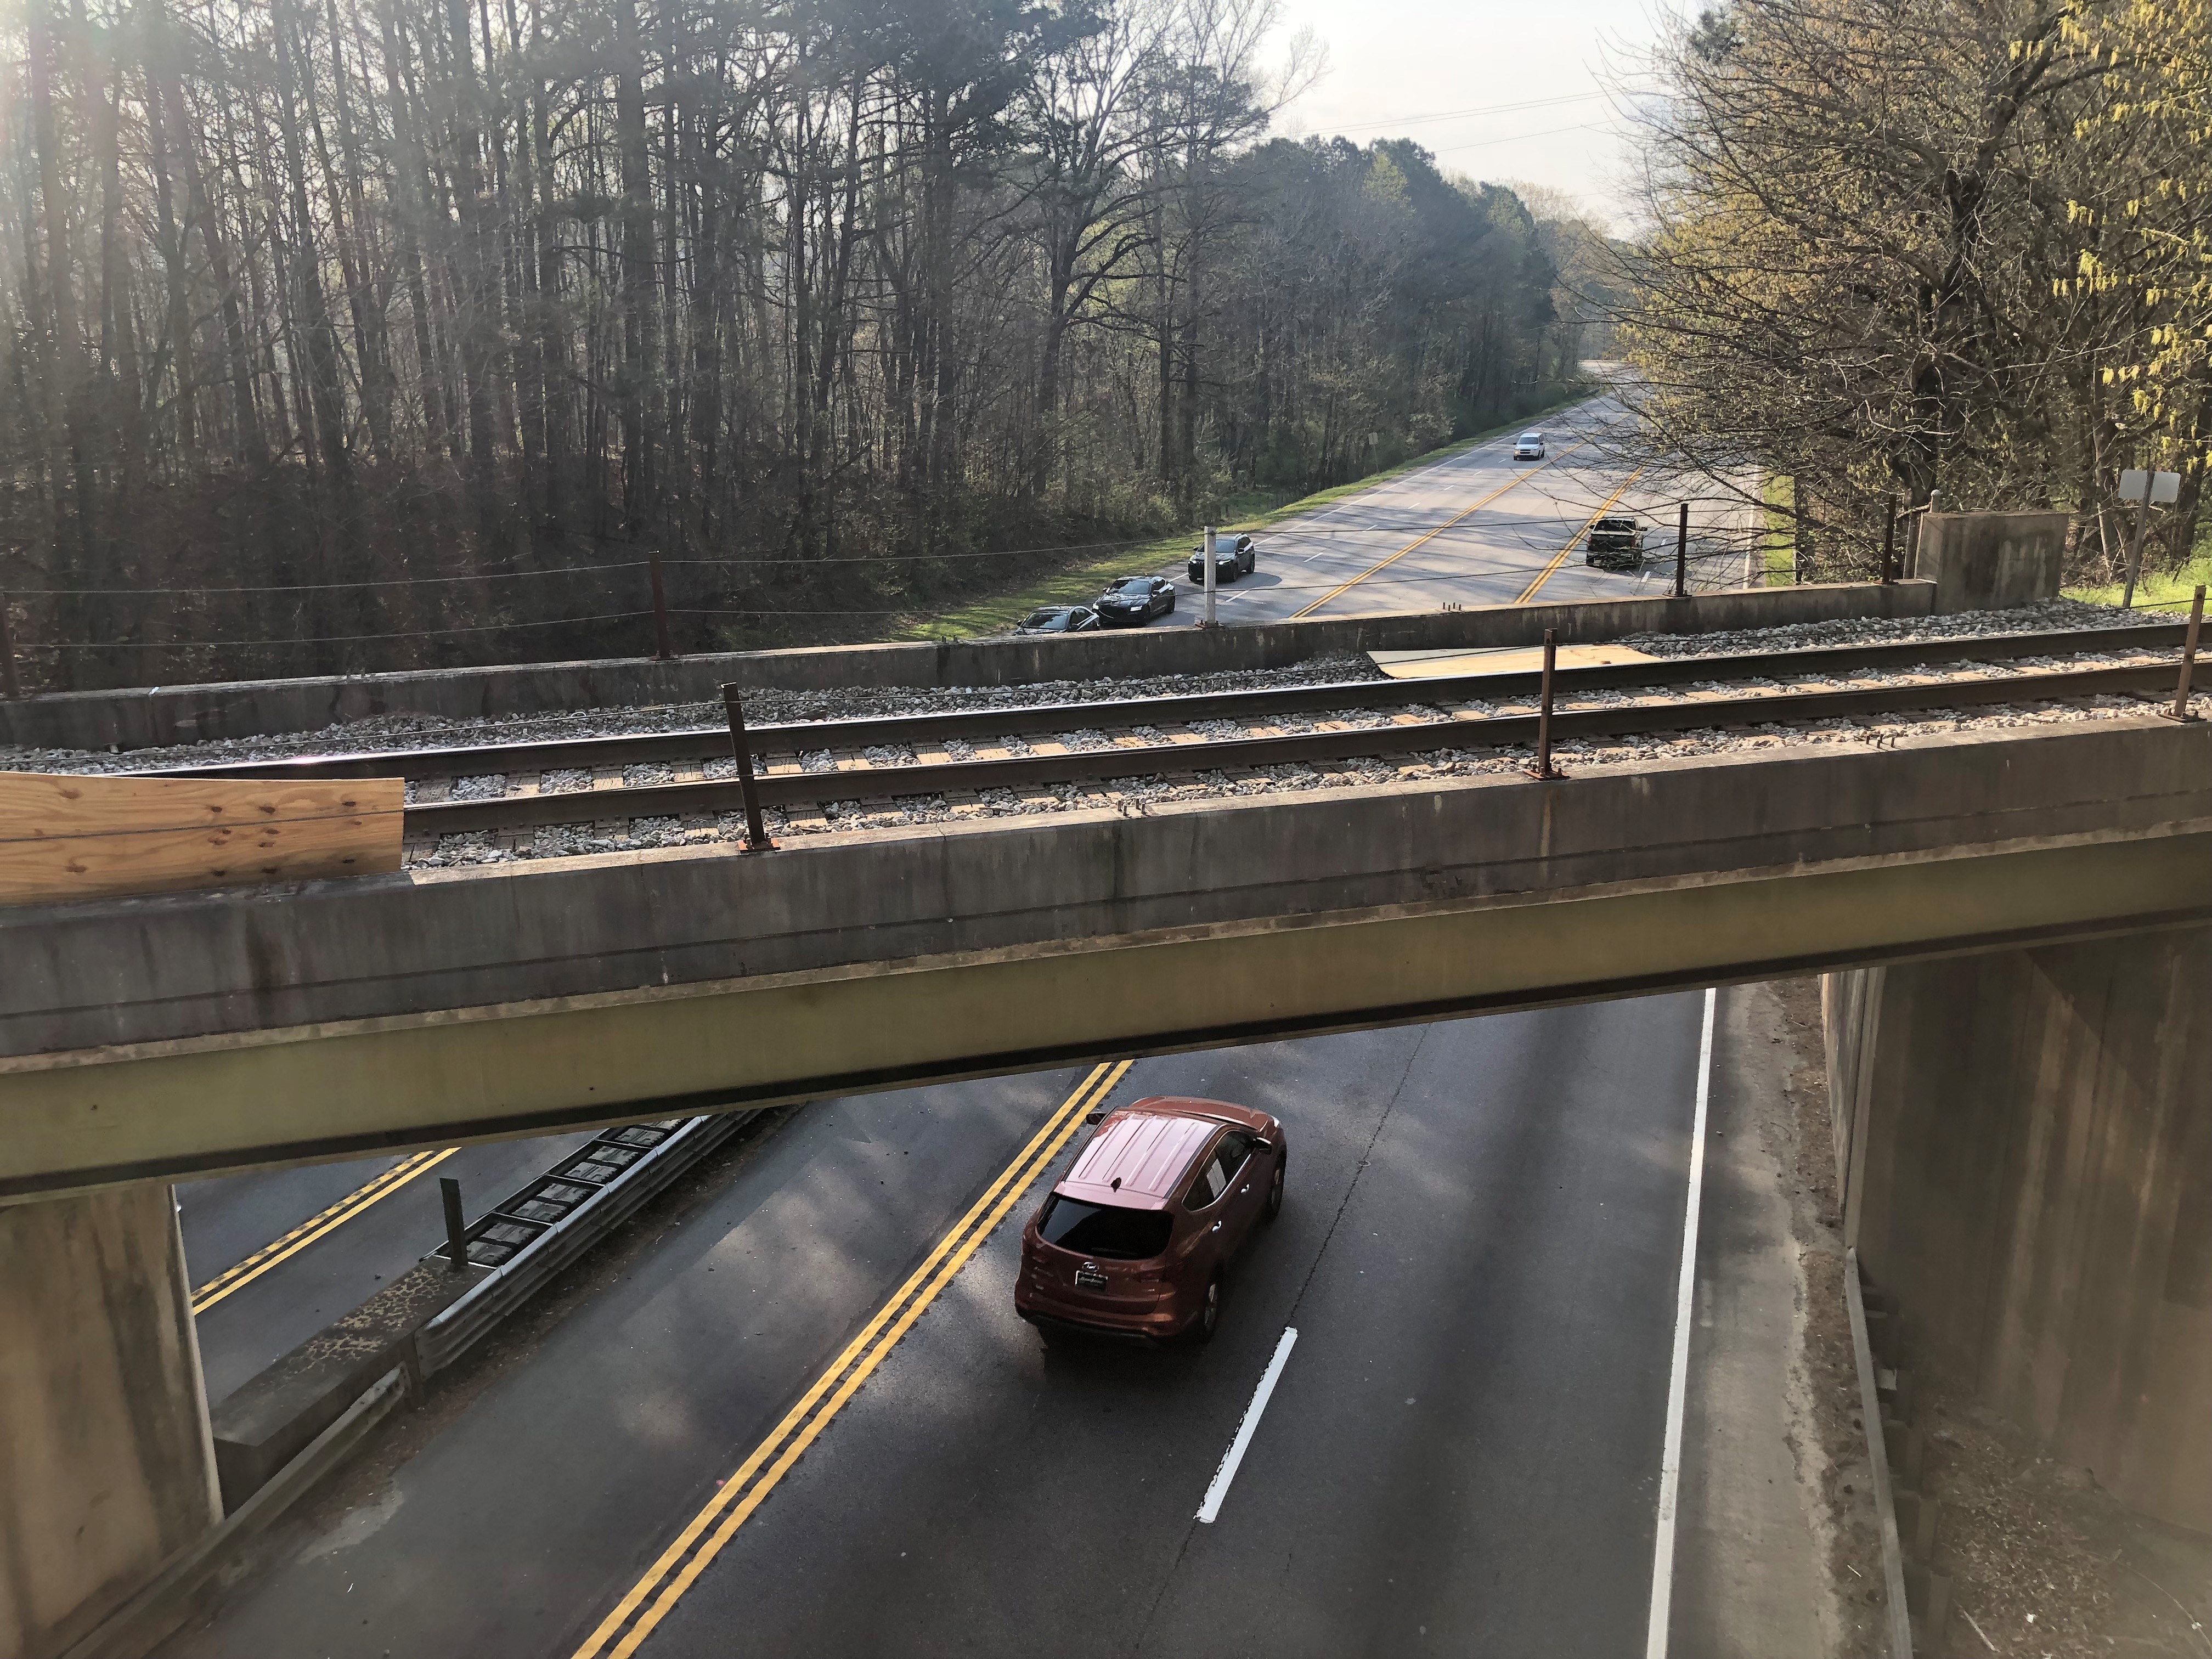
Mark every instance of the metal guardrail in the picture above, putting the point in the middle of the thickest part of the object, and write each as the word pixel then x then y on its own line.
pixel 530 1236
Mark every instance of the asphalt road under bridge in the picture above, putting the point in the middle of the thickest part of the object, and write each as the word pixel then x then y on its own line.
pixel 1480 1253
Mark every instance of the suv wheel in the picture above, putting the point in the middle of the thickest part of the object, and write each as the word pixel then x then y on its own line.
pixel 1275 1190
pixel 1202 1323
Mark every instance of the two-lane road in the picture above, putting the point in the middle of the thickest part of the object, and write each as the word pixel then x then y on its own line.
pixel 1476 528
pixel 1480 1253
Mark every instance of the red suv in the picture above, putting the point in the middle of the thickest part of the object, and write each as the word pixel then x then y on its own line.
pixel 1134 1241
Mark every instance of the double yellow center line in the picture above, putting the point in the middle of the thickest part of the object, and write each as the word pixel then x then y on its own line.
pixel 663 1584
pixel 1560 557
pixel 1515 483
pixel 315 1227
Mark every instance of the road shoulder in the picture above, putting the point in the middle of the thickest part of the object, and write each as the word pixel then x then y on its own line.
pixel 1775 1516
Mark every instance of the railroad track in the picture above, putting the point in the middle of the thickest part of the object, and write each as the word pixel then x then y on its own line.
pixel 805 765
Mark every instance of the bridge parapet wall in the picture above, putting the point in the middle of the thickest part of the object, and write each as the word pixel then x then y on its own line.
pixel 152 1037
pixel 155 968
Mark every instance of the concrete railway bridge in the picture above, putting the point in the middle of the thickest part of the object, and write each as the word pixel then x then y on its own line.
pixel 2017 925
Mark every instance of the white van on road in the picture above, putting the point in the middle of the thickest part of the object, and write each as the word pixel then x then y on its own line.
pixel 1528 447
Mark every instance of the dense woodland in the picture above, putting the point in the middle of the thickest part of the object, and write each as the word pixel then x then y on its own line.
pixel 1895 247
pixel 352 334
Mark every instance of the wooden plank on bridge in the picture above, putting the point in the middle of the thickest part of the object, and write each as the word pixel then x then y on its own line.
pixel 1498 659
pixel 72 836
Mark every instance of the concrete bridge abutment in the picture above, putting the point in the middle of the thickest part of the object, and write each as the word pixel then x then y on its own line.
pixel 2026 1137
pixel 107 1466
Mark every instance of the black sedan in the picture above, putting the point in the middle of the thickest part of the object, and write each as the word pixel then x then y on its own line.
pixel 1135 600
pixel 1060 619
pixel 1233 556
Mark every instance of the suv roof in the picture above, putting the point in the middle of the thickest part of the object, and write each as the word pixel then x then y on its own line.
pixel 1148 1153
pixel 1149 1146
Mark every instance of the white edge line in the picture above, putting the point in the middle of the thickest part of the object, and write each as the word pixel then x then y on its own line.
pixel 1670 1460
pixel 1234 1455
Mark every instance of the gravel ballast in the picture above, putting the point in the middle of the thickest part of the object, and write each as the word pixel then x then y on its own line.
pixel 762 708
pixel 611 830
pixel 1139 792
pixel 2051 616
pixel 769 706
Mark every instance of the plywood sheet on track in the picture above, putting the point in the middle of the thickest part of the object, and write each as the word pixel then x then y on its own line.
pixel 69 836
pixel 1503 660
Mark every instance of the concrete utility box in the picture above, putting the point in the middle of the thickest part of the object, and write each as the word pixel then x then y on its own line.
pixel 1987 561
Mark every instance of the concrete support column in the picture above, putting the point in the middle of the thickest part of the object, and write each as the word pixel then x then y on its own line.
pixel 106 1468
pixel 2032 1176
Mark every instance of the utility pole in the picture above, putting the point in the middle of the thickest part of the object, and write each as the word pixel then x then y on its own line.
pixel 1210 545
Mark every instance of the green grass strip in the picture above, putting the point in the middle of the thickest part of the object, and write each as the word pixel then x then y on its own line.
pixel 2168 588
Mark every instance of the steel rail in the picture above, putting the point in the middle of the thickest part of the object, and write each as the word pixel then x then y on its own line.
pixel 576 754
pixel 1462 733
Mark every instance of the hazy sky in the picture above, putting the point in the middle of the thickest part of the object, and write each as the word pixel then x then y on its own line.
pixel 1392 61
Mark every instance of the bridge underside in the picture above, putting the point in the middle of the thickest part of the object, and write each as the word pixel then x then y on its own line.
pixel 239 1030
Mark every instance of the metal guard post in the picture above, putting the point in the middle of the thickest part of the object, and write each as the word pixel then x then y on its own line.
pixel 456 1232
pixel 2180 709
pixel 661 651
pixel 1544 769
pixel 757 839
pixel 10 686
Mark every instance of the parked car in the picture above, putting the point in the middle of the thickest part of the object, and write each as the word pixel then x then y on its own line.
pixel 1528 447
pixel 1137 1240
pixel 1135 600
pixel 1233 556
pixel 1616 543
pixel 1060 619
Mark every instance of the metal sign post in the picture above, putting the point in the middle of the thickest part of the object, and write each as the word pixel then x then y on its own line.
pixel 1210 545
pixel 1682 554
pixel 2146 489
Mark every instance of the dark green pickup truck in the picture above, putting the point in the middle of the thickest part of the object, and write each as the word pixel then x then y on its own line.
pixel 1616 543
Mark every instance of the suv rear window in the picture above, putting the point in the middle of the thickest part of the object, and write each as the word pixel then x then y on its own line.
pixel 1103 1230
